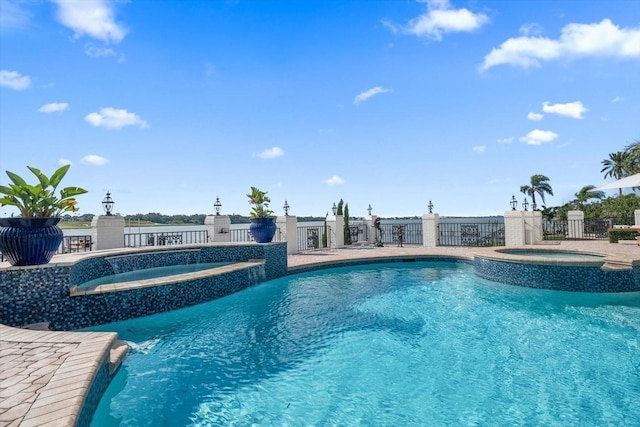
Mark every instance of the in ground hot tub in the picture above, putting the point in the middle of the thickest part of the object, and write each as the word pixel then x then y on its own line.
pixel 557 269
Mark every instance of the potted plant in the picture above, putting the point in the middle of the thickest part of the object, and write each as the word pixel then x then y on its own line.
pixel 262 227
pixel 33 237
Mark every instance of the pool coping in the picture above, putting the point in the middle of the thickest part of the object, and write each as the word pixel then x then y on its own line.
pixel 47 375
pixel 31 394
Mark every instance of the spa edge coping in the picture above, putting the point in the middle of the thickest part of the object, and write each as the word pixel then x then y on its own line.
pixel 165 280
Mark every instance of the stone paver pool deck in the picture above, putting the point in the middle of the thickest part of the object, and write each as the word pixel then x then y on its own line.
pixel 45 376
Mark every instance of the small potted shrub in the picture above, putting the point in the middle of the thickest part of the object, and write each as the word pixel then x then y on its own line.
pixel 262 227
pixel 34 237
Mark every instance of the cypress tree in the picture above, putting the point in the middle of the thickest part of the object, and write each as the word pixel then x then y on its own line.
pixel 324 232
pixel 347 232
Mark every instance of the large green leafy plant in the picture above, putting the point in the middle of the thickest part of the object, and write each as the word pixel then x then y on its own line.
pixel 40 200
pixel 259 204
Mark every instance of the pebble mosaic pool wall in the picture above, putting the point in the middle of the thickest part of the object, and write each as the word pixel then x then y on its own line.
pixel 558 277
pixel 41 294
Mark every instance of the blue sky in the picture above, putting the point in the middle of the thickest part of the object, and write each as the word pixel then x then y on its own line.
pixel 392 103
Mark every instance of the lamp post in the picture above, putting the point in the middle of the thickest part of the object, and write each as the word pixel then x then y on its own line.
pixel 430 206
pixel 525 204
pixel 286 208
pixel 107 204
pixel 217 206
pixel 334 208
pixel 534 206
pixel 513 203
pixel 369 209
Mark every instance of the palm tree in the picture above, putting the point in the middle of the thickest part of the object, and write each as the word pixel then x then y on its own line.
pixel 618 165
pixel 539 185
pixel 634 153
pixel 585 194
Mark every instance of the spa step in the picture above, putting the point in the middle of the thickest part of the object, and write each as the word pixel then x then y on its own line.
pixel 116 355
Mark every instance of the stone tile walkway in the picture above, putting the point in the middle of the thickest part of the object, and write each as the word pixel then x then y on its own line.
pixel 45 376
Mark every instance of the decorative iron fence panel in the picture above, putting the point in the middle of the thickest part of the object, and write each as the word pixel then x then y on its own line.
pixel 241 235
pixel 165 238
pixel 471 234
pixel 587 229
pixel 411 233
pixel 75 244
pixel 310 237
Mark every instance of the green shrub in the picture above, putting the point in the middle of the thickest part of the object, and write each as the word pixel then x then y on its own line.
pixel 616 234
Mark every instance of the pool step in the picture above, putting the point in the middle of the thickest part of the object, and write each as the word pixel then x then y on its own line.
pixel 617 264
pixel 116 355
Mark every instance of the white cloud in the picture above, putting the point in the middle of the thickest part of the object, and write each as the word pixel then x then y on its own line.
pixel 572 109
pixel 508 140
pixel 54 107
pixel 440 19
pixel 334 180
pixel 63 161
pixel 361 97
pixel 94 159
pixel 535 116
pixel 617 99
pixel 93 18
pixel 14 80
pixel 603 39
pixel 12 15
pixel 537 137
pixel 479 149
pixel 111 118
pixel 531 29
pixel 271 153
pixel 94 51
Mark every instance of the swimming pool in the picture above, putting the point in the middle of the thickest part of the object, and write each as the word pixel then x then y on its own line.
pixel 425 343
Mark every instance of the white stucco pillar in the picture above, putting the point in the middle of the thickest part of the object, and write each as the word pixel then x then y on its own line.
pixel 430 232
pixel 514 230
pixel 107 232
pixel 335 232
pixel 575 222
pixel 288 227
pixel 218 228
pixel 636 214
pixel 532 227
pixel 370 222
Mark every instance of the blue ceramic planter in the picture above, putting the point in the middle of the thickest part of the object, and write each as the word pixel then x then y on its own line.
pixel 262 229
pixel 29 241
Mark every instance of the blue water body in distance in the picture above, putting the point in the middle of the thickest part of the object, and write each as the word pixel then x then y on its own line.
pixel 402 344
pixel 151 273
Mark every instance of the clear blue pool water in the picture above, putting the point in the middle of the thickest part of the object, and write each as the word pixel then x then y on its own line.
pixel 403 344
pixel 151 273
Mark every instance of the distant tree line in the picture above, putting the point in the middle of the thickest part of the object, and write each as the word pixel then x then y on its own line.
pixel 158 218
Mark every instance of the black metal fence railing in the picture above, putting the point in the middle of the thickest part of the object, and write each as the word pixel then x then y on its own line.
pixel 587 229
pixel 241 235
pixel 358 233
pixel 72 244
pixel 311 237
pixel 471 234
pixel 410 233
pixel 165 238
